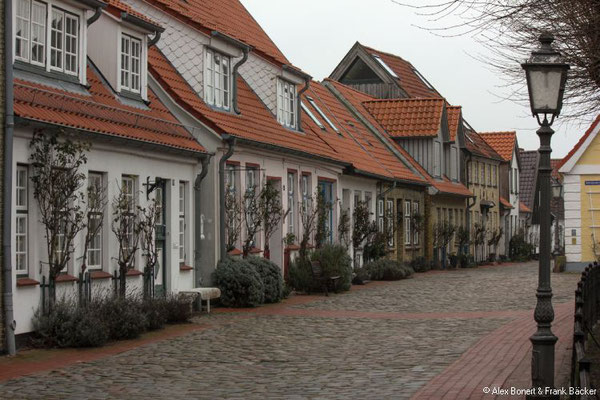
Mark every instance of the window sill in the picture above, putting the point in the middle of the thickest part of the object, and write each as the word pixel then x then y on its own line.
pixel 292 247
pixel 235 252
pixel 99 275
pixel 39 70
pixel 134 272
pixel 66 278
pixel 185 268
pixel 255 250
pixel 23 282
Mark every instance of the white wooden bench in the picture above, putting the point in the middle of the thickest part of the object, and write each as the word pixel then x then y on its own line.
pixel 204 293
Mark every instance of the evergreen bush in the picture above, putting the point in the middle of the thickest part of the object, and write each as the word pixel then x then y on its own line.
pixel 300 276
pixel 239 282
pixel 419 264
pixel 335 261
pixel 388 270
pixel 270 274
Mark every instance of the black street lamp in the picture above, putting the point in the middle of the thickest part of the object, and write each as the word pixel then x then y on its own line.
pixel 546 74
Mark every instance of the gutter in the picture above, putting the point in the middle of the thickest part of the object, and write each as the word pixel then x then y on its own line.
pixel 137 21
pixel 236 109
pixel 99 6
pixel 7 282
pixel 299 104
pixel 230 141
pixel 198 219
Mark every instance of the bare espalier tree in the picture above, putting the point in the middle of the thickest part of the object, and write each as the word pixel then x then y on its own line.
pixel 509 29
pixel 233 219
pixel 272 213
pixel 252 218
pixel 127 225
pixel 344 227
pixel 150 217
pixel 363 226
pixel 308 217
pixel 57 181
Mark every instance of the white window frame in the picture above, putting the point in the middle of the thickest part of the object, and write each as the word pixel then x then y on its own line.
pixel 95 178
pixel 407 222
pixel 58 46
pixel 415 212
pixel 390 221
pixel 291 181
pixel 128 182
pixel 182 223
pixel 217 79
pixel 130 75
pixel 22 214
pixel 380 215
pixel 437 159
pixel 287 100
pixel 27 41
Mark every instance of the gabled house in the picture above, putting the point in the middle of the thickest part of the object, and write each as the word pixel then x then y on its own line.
pixel 481 171
pixel 506 145
pixel 580 170
pixel 557 208
pixel 412 136
pixel 381 75
pixel 62 83
pixel 529 196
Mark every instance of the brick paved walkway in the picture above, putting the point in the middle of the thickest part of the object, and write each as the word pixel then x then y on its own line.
pixel 437 336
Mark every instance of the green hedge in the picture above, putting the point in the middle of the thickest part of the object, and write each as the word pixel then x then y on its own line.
pixel 334 260
pixel 387 270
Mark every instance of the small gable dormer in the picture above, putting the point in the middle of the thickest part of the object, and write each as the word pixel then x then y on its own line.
pixel 289 104
pixel 118 46
pixel 51 37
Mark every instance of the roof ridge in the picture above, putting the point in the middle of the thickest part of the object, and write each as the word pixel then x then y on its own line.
pixel 580 142
pixel 408 99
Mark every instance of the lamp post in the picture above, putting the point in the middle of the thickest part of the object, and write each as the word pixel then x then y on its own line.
pixel 546 74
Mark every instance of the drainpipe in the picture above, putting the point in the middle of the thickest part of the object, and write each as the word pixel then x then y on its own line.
pixel 198 220
pixel 96 15
pixel 230 140
pixel 245 50
pixel 299 103
pixel 155 39
pixel 9 322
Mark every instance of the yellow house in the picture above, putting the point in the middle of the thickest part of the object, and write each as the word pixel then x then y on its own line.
pixel 581 172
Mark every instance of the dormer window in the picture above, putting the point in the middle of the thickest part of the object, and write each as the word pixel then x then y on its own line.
pixel 217 80
pixel 286 103
pixel 61 52
pixel 131 54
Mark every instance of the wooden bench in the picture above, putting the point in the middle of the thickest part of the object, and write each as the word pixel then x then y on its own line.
pixel 326 282
pixel 205 293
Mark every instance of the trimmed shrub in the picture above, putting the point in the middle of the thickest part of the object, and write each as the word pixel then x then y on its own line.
pixel 270 274
pixel 360 276
pixel 335 261
pixel 239 282
pixel 124 317
pixel 68 325
pixel 419 264
pixel 155 312
pixel 388 270
pixel 177 309
pixel 376 248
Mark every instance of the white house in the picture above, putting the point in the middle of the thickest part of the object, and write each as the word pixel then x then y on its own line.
pixel 81 68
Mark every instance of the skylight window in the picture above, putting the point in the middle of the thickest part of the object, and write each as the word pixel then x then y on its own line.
pixel 322 114
pixel 422 78
pixel 385 66
pixel 312 116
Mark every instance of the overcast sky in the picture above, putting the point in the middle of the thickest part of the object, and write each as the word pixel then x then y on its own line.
pixel 316 34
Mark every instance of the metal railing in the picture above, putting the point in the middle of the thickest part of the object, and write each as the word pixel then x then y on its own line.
pixel 587 307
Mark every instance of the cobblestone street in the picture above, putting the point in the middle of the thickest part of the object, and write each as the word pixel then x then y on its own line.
pixel 438 334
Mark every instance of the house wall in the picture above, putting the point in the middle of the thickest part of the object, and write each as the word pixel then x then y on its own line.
pixel 113 161
pixel 441 208
pixel 2 111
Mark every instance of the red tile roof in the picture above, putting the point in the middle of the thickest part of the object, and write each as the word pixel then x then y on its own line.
pixel 453 113
pixel 523 208
pixel 505 202
pixel 580 142
pixel 115 7
pixel 408 79
pixel 408 117
pixel 356 144
pixel 101 112
pixel 358 99
pixel 354 147
pixel 479 147
pixel 502 142
pixel 226 16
